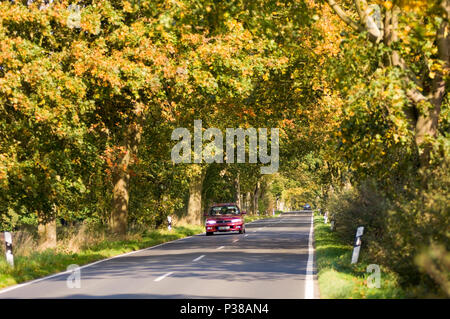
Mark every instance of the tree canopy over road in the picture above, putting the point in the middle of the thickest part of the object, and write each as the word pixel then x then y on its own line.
pixel 91 91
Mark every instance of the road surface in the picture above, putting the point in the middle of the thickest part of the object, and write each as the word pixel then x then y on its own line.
pixel 274 259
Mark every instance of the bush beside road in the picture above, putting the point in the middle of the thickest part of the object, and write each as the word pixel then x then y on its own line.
pixel 338 278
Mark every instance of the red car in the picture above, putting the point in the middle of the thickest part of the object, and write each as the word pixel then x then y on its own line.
pixel 224 217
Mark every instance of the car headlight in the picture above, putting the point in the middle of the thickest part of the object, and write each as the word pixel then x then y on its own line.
pixel 237 220
pixel 210 222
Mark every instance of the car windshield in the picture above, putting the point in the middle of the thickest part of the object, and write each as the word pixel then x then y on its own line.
pixel 224 210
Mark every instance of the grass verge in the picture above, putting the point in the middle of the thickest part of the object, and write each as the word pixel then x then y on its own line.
pixel 50 261
pixel 338 279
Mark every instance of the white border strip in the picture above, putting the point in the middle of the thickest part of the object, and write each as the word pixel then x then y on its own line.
pixel 309 280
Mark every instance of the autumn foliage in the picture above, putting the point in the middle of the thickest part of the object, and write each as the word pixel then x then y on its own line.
pixel 90 93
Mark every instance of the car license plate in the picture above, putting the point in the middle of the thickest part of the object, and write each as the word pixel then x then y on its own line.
pixel 224 227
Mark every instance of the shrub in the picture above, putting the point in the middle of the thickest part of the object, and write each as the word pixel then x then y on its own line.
pixel 358 206
pixel 406 232
pixel 416 227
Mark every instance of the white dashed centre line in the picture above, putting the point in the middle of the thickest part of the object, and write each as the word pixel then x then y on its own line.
pixel 163 276
pixel 220 247
pixel 198 258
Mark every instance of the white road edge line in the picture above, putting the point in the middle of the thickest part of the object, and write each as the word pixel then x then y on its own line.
pixel 88 265
pixel 309 284
pixel 163 276
pixel 220 247
pixel 198 258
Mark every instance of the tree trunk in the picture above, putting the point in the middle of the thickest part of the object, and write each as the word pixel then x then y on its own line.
pixel 271 203
pixel 47 234
pixel 121 181
pixel 256 198
pixel 47 229
pixel 247 199
pixel 237 196
pixel 252 203
pixel 426 123
pixel 194 212
pixel 426 126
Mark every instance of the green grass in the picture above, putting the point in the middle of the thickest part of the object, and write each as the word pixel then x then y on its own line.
pixel 50 261
pixel 338 279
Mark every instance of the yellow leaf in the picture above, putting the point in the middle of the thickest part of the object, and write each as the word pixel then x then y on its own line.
pixel 387 5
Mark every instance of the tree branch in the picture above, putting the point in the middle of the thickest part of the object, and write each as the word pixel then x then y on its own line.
pixel 344 17
pixel 354 25
pixel 361 9
pixel 443 35
pixel 443 44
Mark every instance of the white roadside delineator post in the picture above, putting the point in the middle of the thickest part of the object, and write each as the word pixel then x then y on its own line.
pixel 9 248
pixel 169 221
pixel 357 246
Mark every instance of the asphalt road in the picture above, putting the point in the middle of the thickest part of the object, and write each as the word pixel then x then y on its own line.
pixel 269 261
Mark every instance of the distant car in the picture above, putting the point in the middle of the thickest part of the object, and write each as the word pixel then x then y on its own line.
pixel 307 207
pixel 224 217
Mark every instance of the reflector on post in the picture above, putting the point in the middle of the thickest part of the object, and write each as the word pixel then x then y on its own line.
pixel 9 249
pixel 357 246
